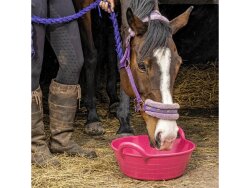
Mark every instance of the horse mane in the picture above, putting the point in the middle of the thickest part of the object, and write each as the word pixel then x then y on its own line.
pixel 157 32
pixel 142 8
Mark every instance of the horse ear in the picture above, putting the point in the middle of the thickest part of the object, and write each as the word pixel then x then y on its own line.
pixel 135 23
pixel 180 21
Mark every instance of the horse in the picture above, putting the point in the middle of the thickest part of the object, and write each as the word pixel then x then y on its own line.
pixel 154 63
pixel 107 74
pixel 90 74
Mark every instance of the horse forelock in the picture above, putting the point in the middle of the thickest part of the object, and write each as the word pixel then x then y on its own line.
pixel 154 38
pixel 157 31
pixel 142 8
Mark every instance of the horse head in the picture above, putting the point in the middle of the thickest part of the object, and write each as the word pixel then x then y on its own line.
pixel 154 63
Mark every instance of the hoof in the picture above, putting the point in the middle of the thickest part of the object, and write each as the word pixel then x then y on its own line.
pixel 94 129
pixel 124 135
pixel 125 130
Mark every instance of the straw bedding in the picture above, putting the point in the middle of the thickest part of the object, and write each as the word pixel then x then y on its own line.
pixel 196 90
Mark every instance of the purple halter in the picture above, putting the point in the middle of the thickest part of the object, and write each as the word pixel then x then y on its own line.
pixel 150 107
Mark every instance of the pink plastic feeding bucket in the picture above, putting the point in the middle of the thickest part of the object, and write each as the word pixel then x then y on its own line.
pixel 140 161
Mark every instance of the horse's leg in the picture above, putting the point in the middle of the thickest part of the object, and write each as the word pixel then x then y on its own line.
pixel 93 125
pixel 111 86
pixel 100 66
pixel 100 41
pixel 99 73
pixel 123 114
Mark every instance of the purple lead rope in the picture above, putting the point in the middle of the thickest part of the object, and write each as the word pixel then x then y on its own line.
pixel 50 21
pixel 117 35
pixel 125 59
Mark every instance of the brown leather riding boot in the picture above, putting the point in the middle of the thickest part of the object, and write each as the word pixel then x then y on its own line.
pixel 62 106
pixel 40 154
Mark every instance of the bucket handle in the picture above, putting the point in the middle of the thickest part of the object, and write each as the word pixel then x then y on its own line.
pixel 132 146
pixel 182 134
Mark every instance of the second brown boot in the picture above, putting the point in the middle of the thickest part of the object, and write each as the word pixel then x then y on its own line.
pixel 62 107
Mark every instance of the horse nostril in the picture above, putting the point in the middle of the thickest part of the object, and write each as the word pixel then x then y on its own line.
pixel 158 144
pixel 152 145
pixel 158 140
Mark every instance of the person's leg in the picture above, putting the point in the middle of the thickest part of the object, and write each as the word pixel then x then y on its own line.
pixel 64 89
pixel 40 154
pixel 39 8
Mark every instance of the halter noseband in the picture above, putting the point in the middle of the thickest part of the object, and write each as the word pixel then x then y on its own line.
pixel 150 107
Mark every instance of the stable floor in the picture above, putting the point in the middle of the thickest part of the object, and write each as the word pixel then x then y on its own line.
pixel 196 90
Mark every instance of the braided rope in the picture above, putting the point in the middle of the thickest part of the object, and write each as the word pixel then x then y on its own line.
pixel 50 21
pixel 117 35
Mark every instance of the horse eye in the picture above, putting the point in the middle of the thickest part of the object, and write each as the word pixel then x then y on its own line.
pixel 142 67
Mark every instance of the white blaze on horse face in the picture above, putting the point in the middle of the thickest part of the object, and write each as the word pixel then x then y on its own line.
pixel 167 129
pixel 163 60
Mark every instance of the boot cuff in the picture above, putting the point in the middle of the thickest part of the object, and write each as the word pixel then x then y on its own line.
pixel 67 90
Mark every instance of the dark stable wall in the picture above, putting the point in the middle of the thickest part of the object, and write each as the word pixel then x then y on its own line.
pixel 196 43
